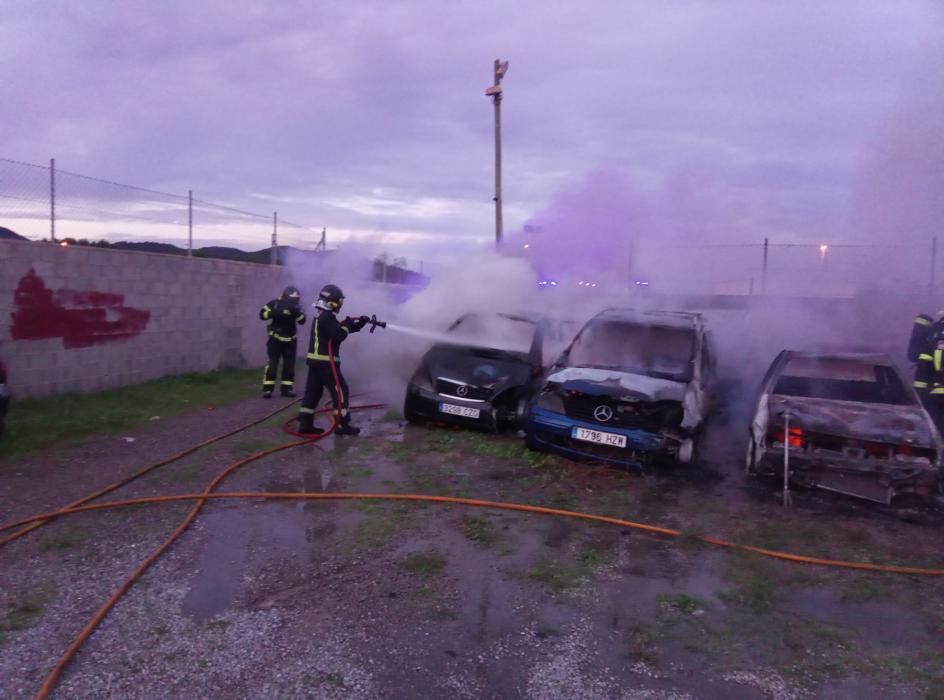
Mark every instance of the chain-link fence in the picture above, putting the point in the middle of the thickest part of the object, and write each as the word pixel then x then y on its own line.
pixel 43 202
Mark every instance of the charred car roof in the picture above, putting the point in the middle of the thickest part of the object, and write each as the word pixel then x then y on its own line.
pixel 667 319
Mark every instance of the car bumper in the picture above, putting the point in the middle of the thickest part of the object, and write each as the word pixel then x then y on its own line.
pixel 425 405
pixel 552 432
pixel 869 479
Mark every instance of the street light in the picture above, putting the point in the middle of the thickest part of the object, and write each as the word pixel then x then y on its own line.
pixel 495 92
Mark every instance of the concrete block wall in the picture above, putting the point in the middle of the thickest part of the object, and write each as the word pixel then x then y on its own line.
pixel 201 315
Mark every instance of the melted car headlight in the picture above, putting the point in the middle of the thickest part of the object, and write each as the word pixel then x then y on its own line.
pixel 550 400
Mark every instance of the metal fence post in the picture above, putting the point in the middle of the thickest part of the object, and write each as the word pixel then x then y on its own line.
pixel 763 276
pixel 274 255
pixel 190 223
pixel 52 199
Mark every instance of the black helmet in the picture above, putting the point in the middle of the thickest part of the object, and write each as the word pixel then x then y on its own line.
pixel 291 293
pixel 331 298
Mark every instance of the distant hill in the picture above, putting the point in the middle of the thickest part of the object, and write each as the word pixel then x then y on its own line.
pixel 7 234
pixel 395 273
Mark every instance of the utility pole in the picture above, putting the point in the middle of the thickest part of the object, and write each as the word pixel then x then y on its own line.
pixel 190 223
pixel 274 255
pixel 52 199
pixel 495 92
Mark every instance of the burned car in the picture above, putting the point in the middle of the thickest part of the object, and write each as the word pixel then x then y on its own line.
pixel 484 375
pixel 849 424
pixel 633 388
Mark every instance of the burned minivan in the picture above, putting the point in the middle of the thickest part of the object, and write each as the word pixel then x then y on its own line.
pixel 634 388
pixel 485 371
pixel 849 424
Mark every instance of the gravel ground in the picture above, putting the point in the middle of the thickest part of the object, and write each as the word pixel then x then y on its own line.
pixel 361 600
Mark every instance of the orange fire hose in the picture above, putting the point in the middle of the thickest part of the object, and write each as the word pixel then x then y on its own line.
pixel 89 628
pixel 80 506
pixel 477 503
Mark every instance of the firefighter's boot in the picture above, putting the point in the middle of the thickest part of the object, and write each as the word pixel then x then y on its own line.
pixel 288 392
pixel 306 424
pixel 346 428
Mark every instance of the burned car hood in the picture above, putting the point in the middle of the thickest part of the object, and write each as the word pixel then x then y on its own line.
pixel 864 421
pixel 619 384
pixel 495 370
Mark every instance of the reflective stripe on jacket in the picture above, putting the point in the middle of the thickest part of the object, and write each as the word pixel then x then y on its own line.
pixel 327 328
pixel 283 319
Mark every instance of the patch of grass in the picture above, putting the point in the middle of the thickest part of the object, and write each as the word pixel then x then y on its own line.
pixel 65 539
pixel 864 588
pixel 554 576
pixel 679 602
pixel 422 593
pixel 378 526
pixel 563 500
pixel 506 549
pixel 393 416
pixel 106 412
pixel 754 581
pixel 425 563
pixel 642 644
pixel 356 472
pixel 593 558
pixel 25 611
pixel 402 452
pixel 479 529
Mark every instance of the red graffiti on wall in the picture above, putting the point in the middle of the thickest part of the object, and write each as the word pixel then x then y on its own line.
pixel 81 319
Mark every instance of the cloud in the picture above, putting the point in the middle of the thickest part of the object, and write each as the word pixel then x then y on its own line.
pixel 320 105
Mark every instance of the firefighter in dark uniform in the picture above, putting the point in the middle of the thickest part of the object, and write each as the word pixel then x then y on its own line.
pixel 327 334
pixel 283 315
pixel 921 331
pixel 929 374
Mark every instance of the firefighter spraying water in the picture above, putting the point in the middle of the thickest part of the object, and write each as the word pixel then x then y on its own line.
pixel 324 361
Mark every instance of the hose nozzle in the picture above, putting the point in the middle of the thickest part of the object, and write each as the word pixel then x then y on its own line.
pixel 374 323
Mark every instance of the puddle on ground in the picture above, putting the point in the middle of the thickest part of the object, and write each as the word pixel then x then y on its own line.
pixel 221 565
pixel 883 625
pixel 633 598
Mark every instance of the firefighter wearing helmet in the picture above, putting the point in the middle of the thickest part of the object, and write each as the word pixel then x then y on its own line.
pixel 324 346
pixel 284 315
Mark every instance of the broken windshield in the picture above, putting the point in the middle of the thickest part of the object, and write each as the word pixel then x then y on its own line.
pixel 656 351
pixel 494 331
pixel 841 380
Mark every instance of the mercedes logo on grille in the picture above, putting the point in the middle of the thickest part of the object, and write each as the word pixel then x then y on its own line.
pixel 462 390
pixel 603 413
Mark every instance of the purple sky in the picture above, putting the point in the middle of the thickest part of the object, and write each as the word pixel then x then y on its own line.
pixel 789 119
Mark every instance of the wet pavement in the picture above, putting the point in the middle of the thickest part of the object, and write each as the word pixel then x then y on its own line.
pixel 396 600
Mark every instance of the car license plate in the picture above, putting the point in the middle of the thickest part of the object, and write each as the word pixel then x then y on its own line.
pixel 598 437
pixel 462 411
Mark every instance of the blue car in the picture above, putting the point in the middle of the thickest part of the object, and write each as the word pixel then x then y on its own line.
pixel 632 389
